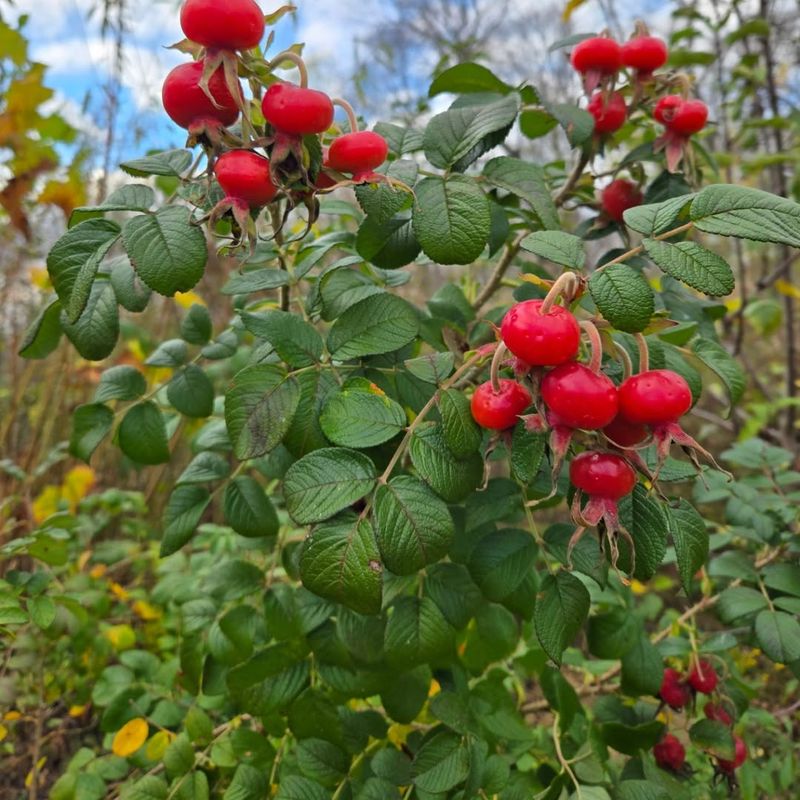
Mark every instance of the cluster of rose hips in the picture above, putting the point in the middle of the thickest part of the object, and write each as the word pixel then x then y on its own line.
pixel 679 692
pixel 206 98
pixel 600 59
pixel 545 340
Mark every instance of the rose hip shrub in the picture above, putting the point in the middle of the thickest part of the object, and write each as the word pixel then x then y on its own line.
pixel 411 553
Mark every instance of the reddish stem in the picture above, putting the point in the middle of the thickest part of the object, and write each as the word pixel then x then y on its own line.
pixel 497 360
pixel 351 114
pixel 288 55
pixel 644 353
pixel 596 343
pixel 563 285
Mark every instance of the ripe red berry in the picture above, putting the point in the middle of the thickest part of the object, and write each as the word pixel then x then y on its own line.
pixel 740 756
pixel 609 113
pixel 654 397
pixel 296 110
pixel 541 340
pixel 581 398
pixel 674 692
pixel 670 753
pixel 681 117
pixel 716 712
pixel 244 175
pixel 644 53
pixel 598 54
pixel 499 410
pixel 358 153
pixel 624 433
pixel 703 677
pixel 223 24
pixel 602 475
pixel 618 197
pixel 187 104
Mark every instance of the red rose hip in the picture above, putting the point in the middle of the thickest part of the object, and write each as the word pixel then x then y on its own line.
pixel 716 712
pixel 703 678
pixel 597 54
pixel 618 197
pixel 499 410
pixel 644 53
pixel 358 153
pixel 674 691
pixel 244 175
pixel 609 113
pixel 187 104
pixel 654 397
pixel 623 433
pixel 602 475
pixel 740 756
pixel 690 118
pixel 581 398
pixel 670 753
pixel 296 110
pixel 541 340
pixel 223 24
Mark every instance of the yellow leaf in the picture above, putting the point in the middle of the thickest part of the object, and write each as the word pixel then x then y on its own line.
pixel 787 289
pixel 46 504
pixel 76 711
pixel 397 734
pixel 188 299
pixel 158 744
pixel 121 637
pixel 145 611
pixel 77 484
pixel 12 716
pixel 570 8
pixel 136 350
pixel 120 592
pixel 29 776
pixel 3 732
pixel 529 277
pixel 435 689
pixel 98 570
pixel 40 278
pixel 130 737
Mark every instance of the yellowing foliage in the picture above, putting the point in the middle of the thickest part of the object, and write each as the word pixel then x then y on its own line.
pixel 130 737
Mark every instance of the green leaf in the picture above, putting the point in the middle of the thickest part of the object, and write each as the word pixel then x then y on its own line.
pixel 120 383
pixel 340 562
pixel 383 201
pixel 461 433
pixel 42 610
pixel 778 635
pixel 536 123
pixel 561 607
pixel 558 247
pixel 260 404
pixel 737 602
pixel 431 368
pixel 612 634
pixel 500 562
pixel 94 334
pixel 305 433
pixel 375 325
pixel 526 181
pixel 131 293
pixel 459 136
pixel 452 479
pixel 401 140
pixel 451 588
pixel 358 416
pixel 250 783
pixel 623 297
pixel 198 725
pixel 295 787
pixel 413 526
pixel 577 123
pixel 248 510
pixel 150 787
pixel 167 250
pixel 527 452
pixel 783 578
pixel 690 538
pixel 645 518
pixel 131 197
pixel 746 214
pixel 257 280
pixel 143 435
pixel 172 353
pixel 694 265
pixel 90 425
pixel 641 790
pixel 631 739
pixel 322 761
pixel 642 668
pixel 183 513
pixel 325 482
pixel 416 633
pixel 389 244
pixel 713 737
pixel 441 763
pixel 74 259
pixel 169 163
pixel 718 360
pixel 465 78
pixel 191 392
pixel 451 219
pixel 205 467
pixel 196 326
pixel 43 334
pixel 295 340
pixel 653 219
pixel 179 756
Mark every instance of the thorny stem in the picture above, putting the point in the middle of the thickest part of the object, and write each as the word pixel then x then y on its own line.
pixel 288 55
pixel 565 285
pixel 644 353
pixel 595 342
pixel 350 111
pixel 497 360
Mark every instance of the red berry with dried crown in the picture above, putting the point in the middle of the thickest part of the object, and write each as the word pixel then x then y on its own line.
pixel 499 410
pixel 716 712
pixel 654 397
pixel 740 756
pixel 597 54
pixel 358 153
pixel 680 116
pixel 670 753
pixel 187 104
pixel 244 175
pixel 541 340
pixel 296 110
pixel 674 690
pixel 580 397
pixel 644 54
pixel 223 24
pixel 703 677
pixel 618 197
pixel 609 112
pixel 602 475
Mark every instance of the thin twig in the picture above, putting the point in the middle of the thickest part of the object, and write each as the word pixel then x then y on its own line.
pixel 512 249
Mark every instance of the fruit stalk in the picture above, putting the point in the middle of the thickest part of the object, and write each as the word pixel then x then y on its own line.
pixel 288 55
